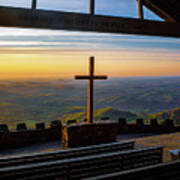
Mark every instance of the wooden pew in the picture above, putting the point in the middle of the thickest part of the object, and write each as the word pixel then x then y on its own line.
pixel 43 170
pixel 113 162
pixel 160 171
pixel 64 154
pixel 83 167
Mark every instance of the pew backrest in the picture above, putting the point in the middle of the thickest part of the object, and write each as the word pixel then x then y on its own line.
pixel 159 171
pixel 64 154
pixel 113 162
pixel 88 166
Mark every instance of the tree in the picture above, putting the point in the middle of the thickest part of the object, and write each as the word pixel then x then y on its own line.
pixel 175 116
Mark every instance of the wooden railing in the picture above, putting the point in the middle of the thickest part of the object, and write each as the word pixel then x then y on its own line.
pixel 88 166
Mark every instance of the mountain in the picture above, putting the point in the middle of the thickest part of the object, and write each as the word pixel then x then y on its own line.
pixel 46 100
pixel 110 112
pixel 160 115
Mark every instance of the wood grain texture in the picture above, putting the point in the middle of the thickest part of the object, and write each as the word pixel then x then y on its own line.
pixel 28 18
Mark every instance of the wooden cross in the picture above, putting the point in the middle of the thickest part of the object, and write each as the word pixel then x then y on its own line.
pixel 91 77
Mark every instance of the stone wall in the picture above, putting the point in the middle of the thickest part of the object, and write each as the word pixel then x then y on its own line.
pixel 89 134
pixel 15 139
pixel 23 138
pixel 140 127
pixel 80 134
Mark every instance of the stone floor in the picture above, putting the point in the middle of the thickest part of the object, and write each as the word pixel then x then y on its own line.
pixel 169 141
pixel 56 145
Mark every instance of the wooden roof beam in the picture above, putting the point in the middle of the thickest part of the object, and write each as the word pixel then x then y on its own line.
pixel 42 19
pixel 164 13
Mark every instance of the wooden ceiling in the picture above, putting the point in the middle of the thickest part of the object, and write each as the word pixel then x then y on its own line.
pixel 169 10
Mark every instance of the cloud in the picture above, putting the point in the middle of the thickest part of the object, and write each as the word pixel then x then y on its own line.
pixel 36 33
pixel 156 54
pixel 80 40
pixel 21 3
pixel 26 38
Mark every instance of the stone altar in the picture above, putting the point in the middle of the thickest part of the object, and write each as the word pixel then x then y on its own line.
pixel 84 134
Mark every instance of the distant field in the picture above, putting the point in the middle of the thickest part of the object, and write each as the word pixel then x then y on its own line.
pixel 169 141
pixel 34 101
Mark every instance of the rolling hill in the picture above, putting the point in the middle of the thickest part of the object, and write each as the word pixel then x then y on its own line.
pixel 110 112
pixel 45 100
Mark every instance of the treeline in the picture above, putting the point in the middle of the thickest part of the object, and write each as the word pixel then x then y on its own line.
pixel 172 115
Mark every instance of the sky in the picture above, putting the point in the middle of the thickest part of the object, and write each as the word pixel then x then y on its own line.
pixel 31 53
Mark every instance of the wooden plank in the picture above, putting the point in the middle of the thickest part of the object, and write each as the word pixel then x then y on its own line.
pixel 162 9
pixel 159 171
pixel 113 162
pixel 34 4
pixel 140 9
pixel 27 18
pixel 32 170
pixel 78 77
pixel 81 167
pixel 91 6
pixel 65 154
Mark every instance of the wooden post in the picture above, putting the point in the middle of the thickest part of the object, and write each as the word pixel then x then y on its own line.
pixel 91 6
pixel 140 9
pixel 34 3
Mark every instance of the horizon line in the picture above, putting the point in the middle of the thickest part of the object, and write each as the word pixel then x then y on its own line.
pixel 72 78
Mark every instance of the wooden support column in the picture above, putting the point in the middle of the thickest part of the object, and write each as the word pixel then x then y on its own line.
pixel 34 3
pixel 91 7
pixel 140 9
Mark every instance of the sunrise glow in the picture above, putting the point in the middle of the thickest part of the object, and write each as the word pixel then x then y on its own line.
pixel 64 64
pixel 32 53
